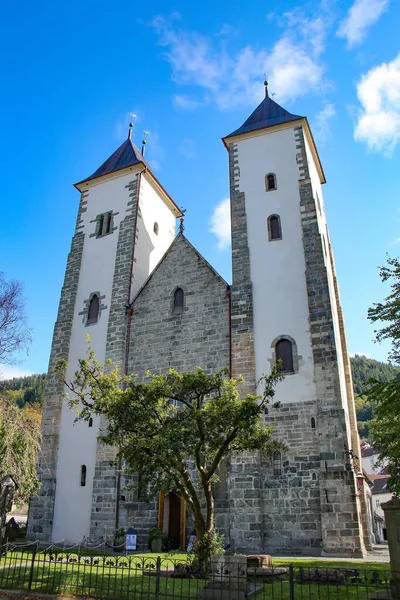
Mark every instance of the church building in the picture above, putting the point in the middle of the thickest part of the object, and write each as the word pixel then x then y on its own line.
pixel 149 300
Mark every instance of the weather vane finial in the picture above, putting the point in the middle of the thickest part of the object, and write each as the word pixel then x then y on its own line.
pixel 133 116
pixel 182 220
pixel 266 85
pixel 144 141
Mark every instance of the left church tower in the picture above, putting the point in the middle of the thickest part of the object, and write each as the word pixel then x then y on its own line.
pixel 125 224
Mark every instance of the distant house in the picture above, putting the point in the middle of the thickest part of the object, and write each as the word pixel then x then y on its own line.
pixel 370 459
pixel 375 472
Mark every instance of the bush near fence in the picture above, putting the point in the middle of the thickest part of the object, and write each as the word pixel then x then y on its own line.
pixel 89 573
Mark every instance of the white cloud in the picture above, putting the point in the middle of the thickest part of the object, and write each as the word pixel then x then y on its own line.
pixel 185 102
pixel 322 119
pixel 360 17
pixel 220 223
pixel 231 79
pixel 378 123
pixel 8 372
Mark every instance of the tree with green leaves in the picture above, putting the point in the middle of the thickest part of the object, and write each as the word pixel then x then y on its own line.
pixel 20 438
pixel 385 396
pixel 385 427
pixel 388 311
pixel 176 429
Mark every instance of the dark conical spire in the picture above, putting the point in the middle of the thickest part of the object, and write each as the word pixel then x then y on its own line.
pixel 267 114
pixel 127 155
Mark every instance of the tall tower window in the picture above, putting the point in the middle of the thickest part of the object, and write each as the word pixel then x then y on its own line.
pixel 93 312
pixel 270 182
pixel 284 354
pixel 179 302
pixel 104 224
pixel 274 228
pixel 277 463
pixel 83 475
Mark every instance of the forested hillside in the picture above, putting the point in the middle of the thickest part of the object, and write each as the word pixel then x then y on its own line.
pixel 24 390
pixel 363 369
pixel 366 368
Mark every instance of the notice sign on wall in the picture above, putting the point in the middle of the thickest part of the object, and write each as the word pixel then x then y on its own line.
pixel 131 539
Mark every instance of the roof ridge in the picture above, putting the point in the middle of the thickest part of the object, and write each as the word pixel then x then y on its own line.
pixel 267 114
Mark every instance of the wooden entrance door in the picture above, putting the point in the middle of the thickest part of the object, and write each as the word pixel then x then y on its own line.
pixel 174 520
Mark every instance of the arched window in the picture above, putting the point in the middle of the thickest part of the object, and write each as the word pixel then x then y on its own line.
pixel 178 302
pixel 274 228
pixel 277 463
pixel 93 312
pixel 312 423
pixel 83 475
pixel 270 182
pixel 155 228
pixel 90 422
pixel 284 353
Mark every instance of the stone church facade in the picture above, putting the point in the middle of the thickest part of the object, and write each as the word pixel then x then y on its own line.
pixel 149 300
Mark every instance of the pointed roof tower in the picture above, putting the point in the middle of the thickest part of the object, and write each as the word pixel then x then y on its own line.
pixel 270 114
pixel 267 114
pixel 127 155
pixel 124 158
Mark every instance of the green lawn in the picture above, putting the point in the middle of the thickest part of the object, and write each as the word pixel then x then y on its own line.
pixel 127 578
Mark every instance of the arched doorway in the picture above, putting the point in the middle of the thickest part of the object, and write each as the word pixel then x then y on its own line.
pixel 172 519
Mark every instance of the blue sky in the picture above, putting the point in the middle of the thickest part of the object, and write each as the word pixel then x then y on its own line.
pixel 192 72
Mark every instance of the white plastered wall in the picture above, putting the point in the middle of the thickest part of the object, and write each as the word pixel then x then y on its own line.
pixel 151 247
pixel 277 267
pixel 78 441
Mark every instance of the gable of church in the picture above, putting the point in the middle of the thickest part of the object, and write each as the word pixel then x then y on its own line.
pixel 180 316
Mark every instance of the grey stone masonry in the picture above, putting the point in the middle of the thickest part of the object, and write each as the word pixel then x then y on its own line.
pixel 362 500
pixel 340 524
pixel 42 506
pixel 244 472
pixel 291 499
pixel 104 501
pixel 199 336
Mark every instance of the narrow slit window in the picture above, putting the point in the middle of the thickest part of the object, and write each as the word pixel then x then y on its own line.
pixel 284 354
pixel 274 228
pixel 155 228
pixel 109 221
pixel 90 422
pixel 83 475
pixel 312 423
pixel 94 309
pixel 100 225
pixel 270 182
pixel 178 302
pixel 277 464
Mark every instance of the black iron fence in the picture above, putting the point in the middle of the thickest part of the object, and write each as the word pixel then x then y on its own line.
pixel 89 573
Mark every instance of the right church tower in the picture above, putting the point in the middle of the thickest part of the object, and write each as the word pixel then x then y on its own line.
pixel 285 307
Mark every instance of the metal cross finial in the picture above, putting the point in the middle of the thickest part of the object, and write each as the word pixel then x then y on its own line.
pixel 182 219
pixel 133 116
